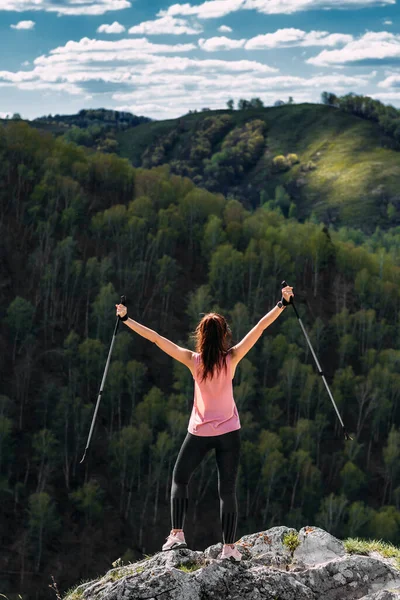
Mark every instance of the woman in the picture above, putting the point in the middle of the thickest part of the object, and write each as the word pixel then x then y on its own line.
pixel 214 422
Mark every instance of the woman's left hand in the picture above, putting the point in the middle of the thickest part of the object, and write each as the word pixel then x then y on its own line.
pixel 287 293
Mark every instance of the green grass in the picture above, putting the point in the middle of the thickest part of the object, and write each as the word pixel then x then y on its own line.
pixel 74 593
pixel 121 572
pixel 291 541
pixel 189 567
pixel 365 547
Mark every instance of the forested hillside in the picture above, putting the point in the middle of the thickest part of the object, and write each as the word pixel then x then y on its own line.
pixel 305 158
pixel 80 228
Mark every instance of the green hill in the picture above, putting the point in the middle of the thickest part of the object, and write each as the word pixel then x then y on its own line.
pixel 348 169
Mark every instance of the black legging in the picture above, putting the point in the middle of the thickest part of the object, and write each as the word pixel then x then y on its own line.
pixel 192 452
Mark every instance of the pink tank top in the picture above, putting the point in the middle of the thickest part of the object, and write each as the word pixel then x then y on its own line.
pixel 214 409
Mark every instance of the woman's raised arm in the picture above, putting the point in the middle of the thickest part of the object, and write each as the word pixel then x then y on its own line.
pixel 246 344
pixel 181 354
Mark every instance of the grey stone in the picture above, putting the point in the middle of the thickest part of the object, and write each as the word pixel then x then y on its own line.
pixel 349 577
pixel 317 547
pixel 267 572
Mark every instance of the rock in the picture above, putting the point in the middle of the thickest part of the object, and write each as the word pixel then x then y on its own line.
pixel 318 569
pixel 349 577
pixel 267 547
pixel 317 547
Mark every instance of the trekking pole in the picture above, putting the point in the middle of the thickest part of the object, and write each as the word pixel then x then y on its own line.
pixel 123 300
pixel 320 372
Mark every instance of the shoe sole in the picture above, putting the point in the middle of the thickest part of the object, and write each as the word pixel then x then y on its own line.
pixel 175 547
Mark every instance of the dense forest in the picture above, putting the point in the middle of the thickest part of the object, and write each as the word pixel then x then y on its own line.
pixel 78 228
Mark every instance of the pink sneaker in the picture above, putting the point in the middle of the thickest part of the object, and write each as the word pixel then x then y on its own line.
pixel 175 541
pixel 231 553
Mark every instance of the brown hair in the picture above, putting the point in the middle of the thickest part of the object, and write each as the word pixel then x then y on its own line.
pixel 213 338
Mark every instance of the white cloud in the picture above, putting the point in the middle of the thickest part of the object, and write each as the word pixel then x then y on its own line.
pixel 68 7
pixel 387 22
pixel 269 7
pixel 161 80
pixel 106 50
pixel 113 28
pixel 282 38
pixel 372 47
pixel 225 29
pixel 24 25
pixel 216 44
pixel 212 9
pixel 393 81
pixel 4 115
pixel 287 38
pixel 387 97
pixel 166 25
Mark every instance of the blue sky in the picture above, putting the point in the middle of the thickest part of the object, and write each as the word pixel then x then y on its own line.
pixel 162 58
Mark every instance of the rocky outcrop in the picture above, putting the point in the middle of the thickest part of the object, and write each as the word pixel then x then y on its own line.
pixel 306 565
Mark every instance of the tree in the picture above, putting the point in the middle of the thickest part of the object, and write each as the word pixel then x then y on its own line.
pixel 199 302
pixel 135 376
pixel 226 274
pixel 43 522
pixel 128 449
pixel 152 409
pixel 391 456
pixel 89 501
pixel 329 99
pixel 332 514
pixel 45 447
pixel 243 104
pixel 385 524
pixel 256 103
pixel 230 104
pixel 160 451
pixel 272 469
pixel 353 480
pixel 19 318
pixel 214 235
pixel 359 516
pixel 5 442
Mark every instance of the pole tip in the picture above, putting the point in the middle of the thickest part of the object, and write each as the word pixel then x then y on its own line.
pixel 83 457
pixel 347 437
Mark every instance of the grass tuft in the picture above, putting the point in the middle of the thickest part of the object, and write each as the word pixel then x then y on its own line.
pixel 121 572
pixel 75 593
pixel 365 547
pixel 291 541
pixel 189 567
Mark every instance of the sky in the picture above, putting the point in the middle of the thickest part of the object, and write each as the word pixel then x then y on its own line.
pixel 161 59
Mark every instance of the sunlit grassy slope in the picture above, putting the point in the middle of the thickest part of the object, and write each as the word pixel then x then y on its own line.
pixel 356 171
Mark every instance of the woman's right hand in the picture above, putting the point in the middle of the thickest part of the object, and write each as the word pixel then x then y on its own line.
pixel 121 310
